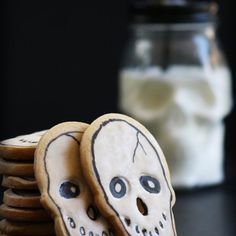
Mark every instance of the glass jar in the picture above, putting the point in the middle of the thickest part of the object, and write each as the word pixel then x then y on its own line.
pixel 174 79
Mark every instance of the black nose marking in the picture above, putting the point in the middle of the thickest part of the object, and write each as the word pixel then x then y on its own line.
pixel 142 207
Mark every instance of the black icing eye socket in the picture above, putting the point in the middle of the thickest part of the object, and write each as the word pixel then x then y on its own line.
pixel 69 190
pixel 71 222
pixel 150 184
pixel 117 187
pixel 93 212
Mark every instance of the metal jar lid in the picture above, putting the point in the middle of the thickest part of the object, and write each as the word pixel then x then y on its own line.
pixel 173 11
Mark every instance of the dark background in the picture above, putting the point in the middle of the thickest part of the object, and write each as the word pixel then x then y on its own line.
pixel 60 63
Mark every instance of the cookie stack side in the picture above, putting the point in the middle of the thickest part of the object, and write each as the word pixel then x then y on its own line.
pixel 21 212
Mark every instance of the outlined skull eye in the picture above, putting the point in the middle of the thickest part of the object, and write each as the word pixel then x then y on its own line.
pixel 118 187
pixel 71 222
pixel 69 190
pixel 150 184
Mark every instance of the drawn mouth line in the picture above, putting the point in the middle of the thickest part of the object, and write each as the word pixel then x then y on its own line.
pixel 142 231
pixel 90 233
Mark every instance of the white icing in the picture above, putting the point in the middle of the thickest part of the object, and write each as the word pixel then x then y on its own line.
pixel 62 163
pixel 151 184
pixel 73 189
pixel 118 188
pixel 27 140
pixel 116 146
pixel 184 108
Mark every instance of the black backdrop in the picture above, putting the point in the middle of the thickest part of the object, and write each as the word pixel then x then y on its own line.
pixel 60 62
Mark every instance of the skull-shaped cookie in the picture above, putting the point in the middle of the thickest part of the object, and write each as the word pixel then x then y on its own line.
pixel 129 176
pixel 63 189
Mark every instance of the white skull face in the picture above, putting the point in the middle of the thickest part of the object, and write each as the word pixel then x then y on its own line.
pixel 184 108
pixel 135 180
pixel 68 190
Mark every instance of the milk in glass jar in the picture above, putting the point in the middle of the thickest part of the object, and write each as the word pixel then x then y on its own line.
pixel 174 79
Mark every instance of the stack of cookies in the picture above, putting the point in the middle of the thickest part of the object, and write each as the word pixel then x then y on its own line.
pixel 21 212
pixel 107 178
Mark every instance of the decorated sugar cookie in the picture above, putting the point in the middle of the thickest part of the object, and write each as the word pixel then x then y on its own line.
pixel 128 174
pixel 24 214
pixel 21 147
pixel 63 189
pixel 26 228
pixel 22 183
pixel 13 168
pixel 22 199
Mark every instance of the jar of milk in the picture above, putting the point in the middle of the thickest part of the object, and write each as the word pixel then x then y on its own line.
pixel 174 80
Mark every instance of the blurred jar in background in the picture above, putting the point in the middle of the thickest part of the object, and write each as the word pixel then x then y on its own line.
pixel 174 80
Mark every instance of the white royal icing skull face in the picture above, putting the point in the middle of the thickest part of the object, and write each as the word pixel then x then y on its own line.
pixel 134 180
pixel 68 189
pixel 184 108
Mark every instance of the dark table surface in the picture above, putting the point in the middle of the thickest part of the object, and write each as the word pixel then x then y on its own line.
pixel 206 212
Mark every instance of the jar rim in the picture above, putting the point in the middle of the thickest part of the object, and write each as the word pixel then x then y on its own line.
pixel 182 13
